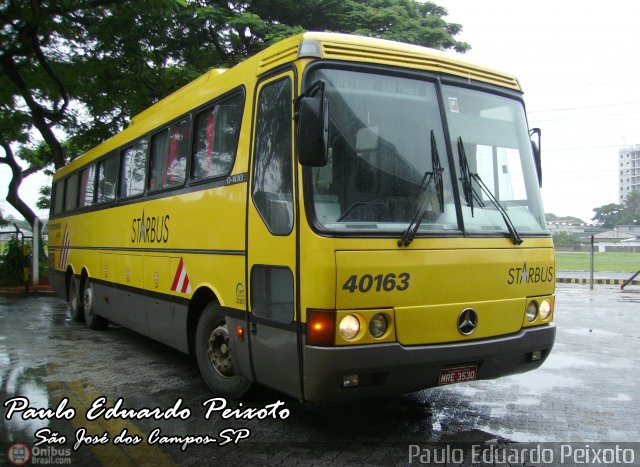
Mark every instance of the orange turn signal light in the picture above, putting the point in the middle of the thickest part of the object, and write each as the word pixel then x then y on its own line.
pixel 240 333
pixel 321 327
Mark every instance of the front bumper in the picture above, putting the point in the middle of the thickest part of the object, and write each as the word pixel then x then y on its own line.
pixel 392 368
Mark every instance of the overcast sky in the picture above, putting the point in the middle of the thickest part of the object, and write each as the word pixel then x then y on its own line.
pixel 578 64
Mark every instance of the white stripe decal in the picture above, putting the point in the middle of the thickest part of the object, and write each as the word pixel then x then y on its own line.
pixel 182 277
pixel 64 254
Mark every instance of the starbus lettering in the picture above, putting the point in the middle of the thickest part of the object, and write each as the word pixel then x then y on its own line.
pixel 150 229
pixel 530 275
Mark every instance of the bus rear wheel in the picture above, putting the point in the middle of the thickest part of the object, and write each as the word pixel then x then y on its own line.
pixel 75 304
pixel 214 355
pixel 93 320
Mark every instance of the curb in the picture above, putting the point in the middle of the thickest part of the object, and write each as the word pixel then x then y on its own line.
pixel 20 290
pixel 583 281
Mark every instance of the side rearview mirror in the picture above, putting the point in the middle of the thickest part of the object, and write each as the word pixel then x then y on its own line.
pixel 312 115
pixel 536 148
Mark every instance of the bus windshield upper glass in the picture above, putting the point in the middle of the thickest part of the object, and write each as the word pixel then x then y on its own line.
pixel 388 163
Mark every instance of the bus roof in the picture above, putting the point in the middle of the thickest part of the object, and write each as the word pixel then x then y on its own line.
pixel 330 46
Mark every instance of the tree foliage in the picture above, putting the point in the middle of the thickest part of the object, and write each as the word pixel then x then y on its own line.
pixel 83 68
pixel 563 238
pixel 608 215
pixel 628 213
pixel 632 207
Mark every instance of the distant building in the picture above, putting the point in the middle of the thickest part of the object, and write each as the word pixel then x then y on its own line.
pixel 629 170
pixel 614 236
pixel 568 224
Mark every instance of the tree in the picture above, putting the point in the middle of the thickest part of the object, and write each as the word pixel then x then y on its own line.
pixel 401 20
pixel 45 46
pixel 632 208
pixel 84 68
pixel 628 213
pixel 563 238
pixel 608 215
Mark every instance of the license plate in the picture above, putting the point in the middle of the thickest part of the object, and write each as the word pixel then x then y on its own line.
pixel 458 375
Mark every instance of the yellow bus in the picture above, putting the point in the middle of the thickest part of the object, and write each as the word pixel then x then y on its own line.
pixel 335 217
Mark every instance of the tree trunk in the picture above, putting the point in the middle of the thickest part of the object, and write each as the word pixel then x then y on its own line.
pixel 13 197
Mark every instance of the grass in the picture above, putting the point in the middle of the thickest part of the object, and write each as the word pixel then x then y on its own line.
pixel 609 262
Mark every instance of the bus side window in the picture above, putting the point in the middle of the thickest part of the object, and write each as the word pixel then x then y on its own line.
pixel 133 168
pixel 272 179
pixel 216 138
pixel 107 177
pixel 87 180
pixel 169 156
pixel 58 197
pixel 71 193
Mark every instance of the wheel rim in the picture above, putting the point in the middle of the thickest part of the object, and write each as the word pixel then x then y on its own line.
pixel 88 301
pixel 219 351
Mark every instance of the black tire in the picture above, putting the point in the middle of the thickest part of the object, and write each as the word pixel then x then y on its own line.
pixel 93 320
pixel 75 303
pixel 213 354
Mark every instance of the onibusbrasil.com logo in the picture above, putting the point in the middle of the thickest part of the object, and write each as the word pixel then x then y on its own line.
pixel 22 454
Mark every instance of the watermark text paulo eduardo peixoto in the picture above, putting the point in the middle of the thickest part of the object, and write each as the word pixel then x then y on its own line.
pixel 525 454
pixel 20 407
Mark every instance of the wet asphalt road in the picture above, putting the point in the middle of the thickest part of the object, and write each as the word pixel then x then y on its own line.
pixel 587 391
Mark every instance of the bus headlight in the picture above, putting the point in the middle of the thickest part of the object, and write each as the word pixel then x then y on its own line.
pixel 545 309
pixel 378 325
pixel 532 310
pixel 349 327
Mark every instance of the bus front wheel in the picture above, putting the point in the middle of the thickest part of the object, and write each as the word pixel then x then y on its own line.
pixel 214 356
pixel 74 300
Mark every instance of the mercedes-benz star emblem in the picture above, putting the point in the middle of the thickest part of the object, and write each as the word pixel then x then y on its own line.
pixel 467 321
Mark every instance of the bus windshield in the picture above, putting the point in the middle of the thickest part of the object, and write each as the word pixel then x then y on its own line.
pixel 386 135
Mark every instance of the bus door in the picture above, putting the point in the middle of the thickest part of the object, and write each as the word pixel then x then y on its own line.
pixel 271 256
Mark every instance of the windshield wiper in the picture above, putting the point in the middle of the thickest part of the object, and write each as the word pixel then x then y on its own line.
pixel 470 193
pixel 434 176
pixel 466 178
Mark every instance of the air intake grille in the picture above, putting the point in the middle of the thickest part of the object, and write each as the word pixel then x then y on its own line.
pixel 412 60
pixel 278 59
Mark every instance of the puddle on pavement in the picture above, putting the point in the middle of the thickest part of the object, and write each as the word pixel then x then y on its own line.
pixel 629 299
pixel 589 332
pixel 561 361
pixel 620 397
pixel 17 381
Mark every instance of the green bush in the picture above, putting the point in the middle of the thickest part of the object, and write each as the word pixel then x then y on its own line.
pixel 12 262
pixel 563 238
